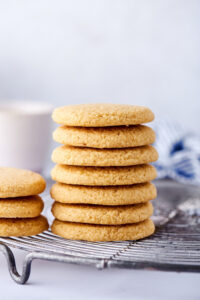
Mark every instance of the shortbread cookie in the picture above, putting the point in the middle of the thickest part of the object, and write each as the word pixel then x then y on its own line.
pixel 103 175
pixel 94 233
pixel 22 207
pixel 68 155
pixel 102 114
pixel 23 227
pixel 19 183
pixel 104 215
pixel 111 195
pixel 105 137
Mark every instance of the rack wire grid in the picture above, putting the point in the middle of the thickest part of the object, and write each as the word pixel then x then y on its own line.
pixel 175 246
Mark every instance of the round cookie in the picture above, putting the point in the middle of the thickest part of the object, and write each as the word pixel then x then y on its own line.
pixel 103 233
pixel 20 183
pixel 104 215
pixel 102 114
pixel 104 195
pixel 68 155
pixel 23 227
pixel 22 207
pixel 105 137
pixel 103 176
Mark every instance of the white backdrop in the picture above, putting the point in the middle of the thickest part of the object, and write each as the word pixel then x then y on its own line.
pixel 129 51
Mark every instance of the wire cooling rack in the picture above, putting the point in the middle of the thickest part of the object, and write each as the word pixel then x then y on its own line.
pixel 175 246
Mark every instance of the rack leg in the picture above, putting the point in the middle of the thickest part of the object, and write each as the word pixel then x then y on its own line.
pixel 20 279
pixel 26 270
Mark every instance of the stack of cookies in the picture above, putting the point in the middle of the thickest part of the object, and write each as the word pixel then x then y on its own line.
pixel 103 174
pixel 20 205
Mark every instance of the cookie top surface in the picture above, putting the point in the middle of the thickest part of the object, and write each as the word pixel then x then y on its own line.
pixel 104 215
pixel 105 137
pixel 111 195
pixel 19 183
pixel 102 114
pixel 79 156
pixel 103 233
pixel 22 207
pixel 102 176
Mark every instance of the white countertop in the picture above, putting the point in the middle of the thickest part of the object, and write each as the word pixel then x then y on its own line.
pixel 58 281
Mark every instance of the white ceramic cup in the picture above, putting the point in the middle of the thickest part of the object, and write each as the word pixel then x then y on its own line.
pixel 25 130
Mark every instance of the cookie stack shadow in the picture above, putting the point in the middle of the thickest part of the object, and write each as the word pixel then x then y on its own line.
pixel 102 173
pixel 20 204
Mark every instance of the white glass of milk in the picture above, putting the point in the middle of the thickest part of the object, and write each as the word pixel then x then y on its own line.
pixel 25 131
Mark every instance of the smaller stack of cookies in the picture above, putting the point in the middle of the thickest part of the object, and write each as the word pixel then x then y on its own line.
pixel 20 205
pixel 103 174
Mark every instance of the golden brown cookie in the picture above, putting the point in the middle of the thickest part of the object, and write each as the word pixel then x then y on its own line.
pixel 104 215
pixel 23 227
pixel 104 195
pixel 103 176
pixel 94 233
pixel 102 114
pixel 105 137
pixel 19 183
pixel 22 207
pixel 68 155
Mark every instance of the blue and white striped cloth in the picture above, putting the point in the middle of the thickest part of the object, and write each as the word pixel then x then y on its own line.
pixel 179 153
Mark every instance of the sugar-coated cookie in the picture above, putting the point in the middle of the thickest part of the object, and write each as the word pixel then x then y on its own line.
pixel 22 207
pixel 103 175
pixel 23 227
pixel 103 195
pixel 19 183
pixel 105 137
pixel 94 233
pixel 68 155
pixel 104 215
pixel 102 114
